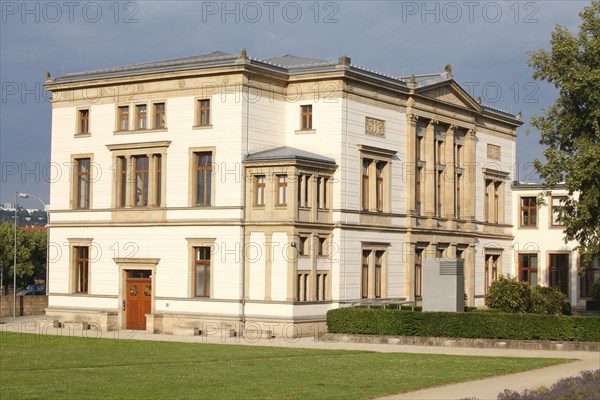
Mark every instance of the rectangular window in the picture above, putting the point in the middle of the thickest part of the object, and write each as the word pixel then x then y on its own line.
pixel 84 122
pixel 84 173
pixel 259 189
pixel 438 193
pixel 528 268
pixel 203 115
pixel 302 287
pixel 321 250
pixel 321 287
pixel 158 179
pixel 202 272
pixel 124 118
pixel 365 183
pixel 487 207
pixel 322 192
pixel 159 115
pixel 140 116
pixel 302 246
pixel 557 202
pixel 379 166
pixel 418 272
pixel 282 190
pixel 458 156
pixel 587 280
pixel 203 170
pixel 528 211
pixel 306 117
pixel 141 180
pixel 378 272
pixel 82 264
pixel 496 205
pixel 439 152
pixel 559 272
pixel 491 270
pixel 122 181
pixel 364 275
pixel 418 202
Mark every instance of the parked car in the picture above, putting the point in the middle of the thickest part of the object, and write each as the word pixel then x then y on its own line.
pixel 32 293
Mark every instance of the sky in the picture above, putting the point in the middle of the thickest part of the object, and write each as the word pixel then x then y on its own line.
pixel 486 42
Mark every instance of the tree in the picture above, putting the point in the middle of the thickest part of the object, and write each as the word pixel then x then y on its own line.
pixel 571 127
pixel 31 254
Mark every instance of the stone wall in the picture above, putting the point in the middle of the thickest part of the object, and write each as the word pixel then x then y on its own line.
pixel 26 305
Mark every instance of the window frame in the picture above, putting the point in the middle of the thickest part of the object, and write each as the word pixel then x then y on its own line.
pixel 138 116
pixel 207 270
pixel 306 117
pixel 556 224
pixel 528 208
pixel 203 112
pixel 192 245
pixel 194 169
pixel 81 277
pixel 281 190
pixel 554 270
pixel 156 113
pixel 144 173
pixel 260 189
pixel 528 270
pixel 83 121
pixel 87 197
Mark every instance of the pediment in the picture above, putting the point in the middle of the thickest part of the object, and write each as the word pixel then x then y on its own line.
pixel 450 93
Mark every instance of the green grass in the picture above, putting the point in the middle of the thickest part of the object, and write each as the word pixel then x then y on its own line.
pixel 47 367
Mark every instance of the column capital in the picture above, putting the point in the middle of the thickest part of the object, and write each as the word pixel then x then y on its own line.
pixel 470 134
pixel 433 121
pixel 413 118
pixel 452 128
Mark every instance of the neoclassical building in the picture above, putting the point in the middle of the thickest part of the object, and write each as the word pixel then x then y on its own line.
pixel 215 192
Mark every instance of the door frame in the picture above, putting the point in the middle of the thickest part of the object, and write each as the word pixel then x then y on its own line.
pixel 129 264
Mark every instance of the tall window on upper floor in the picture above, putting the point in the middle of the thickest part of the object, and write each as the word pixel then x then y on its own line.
pixel 557 203
pixel 141 119
pixel 379 167
pixel 84 181
pixel 259 190
pixel 306 117
pixel 158 178
pixel 282 189
pixel 141 165
pixel 365 183
pixel 322 192
pixel 419 174
pixel 492 205
pixel 528 211
pixel 81 261
pixel 123 121
pixel 159 115
pixel 203 175
pixel 303 190
pixel 122 179
pixel 203 117
pixel 83 122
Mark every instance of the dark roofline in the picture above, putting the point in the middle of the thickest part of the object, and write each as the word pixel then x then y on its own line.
pixel 274 154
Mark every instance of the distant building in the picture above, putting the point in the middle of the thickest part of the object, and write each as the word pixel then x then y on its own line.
pixel 227 190
pixel 541 256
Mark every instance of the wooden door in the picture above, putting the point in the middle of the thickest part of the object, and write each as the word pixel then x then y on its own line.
pixel 138 301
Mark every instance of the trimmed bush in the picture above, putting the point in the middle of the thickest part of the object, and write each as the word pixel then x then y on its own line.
pixel 481 325
pixel 546 300
pixel 506 293
pixel 596 290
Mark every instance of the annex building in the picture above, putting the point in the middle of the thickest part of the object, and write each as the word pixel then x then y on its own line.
pixel 221 189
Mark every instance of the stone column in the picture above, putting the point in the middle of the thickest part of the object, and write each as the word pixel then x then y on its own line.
pixel 469 178
pixel 151 180
pixel 130 183
pixel 409 260
pixel 448 175
pixel 469 272
pixel 411 167
pixel 430 170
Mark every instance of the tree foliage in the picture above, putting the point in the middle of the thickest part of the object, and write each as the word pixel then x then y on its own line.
pixel 31 254
pixel 570 128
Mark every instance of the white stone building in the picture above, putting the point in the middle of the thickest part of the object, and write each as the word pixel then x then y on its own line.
pixel 212 191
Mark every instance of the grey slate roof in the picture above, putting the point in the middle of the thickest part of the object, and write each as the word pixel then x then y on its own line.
pixel 292 62
pixel 286 153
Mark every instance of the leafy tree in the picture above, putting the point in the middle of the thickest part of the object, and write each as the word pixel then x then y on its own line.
pixel 31 254
pixel 571 127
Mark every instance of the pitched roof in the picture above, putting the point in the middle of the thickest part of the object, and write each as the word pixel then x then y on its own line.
pixel 286 153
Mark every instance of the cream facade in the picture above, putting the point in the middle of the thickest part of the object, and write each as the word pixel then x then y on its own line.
pixel 541 256
pixel 220 193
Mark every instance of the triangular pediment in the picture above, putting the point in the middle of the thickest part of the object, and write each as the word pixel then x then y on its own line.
pixel 450 92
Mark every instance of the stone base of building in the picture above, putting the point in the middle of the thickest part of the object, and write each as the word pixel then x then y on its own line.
pixel 253 328
pixel 102 320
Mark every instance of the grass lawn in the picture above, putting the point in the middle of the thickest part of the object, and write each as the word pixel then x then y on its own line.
pixel 48 367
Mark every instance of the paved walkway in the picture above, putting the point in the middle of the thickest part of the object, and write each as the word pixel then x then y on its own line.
pixel 481 389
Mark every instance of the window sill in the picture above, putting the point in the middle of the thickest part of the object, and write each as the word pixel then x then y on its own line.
pixel 281 206
pixel 82 135
pixel 200 127
pixel 522 226
pixel 305 131
pixel 135 131
pixel 258 206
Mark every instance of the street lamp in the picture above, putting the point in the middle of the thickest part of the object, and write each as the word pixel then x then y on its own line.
pixel 24 196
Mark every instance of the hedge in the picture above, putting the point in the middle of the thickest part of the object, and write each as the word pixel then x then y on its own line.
pixel 474 325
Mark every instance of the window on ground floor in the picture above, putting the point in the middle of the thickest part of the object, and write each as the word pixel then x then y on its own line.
pixel 528 269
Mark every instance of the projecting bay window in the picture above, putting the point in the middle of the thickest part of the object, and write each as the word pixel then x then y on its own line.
pixel 302 286
pixel 259 190
pixel 281 187
pixel 203 178
pixel 83 183
pixel 141 111
pixel 491 270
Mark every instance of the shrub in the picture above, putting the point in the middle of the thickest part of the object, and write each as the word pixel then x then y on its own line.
pixel 483 325
pixel 506 293
pixel 583 387
pixel 546 300
pixel 596 290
